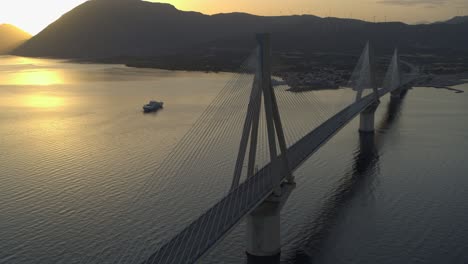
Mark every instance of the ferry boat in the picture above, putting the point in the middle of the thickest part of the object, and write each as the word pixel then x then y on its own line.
pixel 152 106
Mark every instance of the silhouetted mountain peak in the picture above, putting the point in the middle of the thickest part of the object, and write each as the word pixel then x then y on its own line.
pixel 134 28
pixel 11 37
pixel 12 28
pixel 7 26
pixel 164 6
pixel 457 20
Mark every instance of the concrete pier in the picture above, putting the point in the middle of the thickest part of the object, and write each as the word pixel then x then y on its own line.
pixel 396 94
pixel 264 226
pixel 367 118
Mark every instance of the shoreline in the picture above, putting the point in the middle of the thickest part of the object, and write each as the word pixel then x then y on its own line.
pixel 324 77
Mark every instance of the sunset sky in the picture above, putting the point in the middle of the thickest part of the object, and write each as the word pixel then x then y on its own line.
pixel 35 15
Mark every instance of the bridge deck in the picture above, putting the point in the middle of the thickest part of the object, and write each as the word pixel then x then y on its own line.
pixel 197 238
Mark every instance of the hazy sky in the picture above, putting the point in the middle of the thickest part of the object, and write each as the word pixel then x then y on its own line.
pixel 35 15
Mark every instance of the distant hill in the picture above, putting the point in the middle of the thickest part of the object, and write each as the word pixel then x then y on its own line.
pixel 457 20
pixel 11 37
pixel 139 29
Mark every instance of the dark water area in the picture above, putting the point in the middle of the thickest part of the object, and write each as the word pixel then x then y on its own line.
pixel 393 197
pixel 351 226
pixel 75 148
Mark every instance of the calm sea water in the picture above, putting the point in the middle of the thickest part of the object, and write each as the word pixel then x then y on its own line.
pixel 75 150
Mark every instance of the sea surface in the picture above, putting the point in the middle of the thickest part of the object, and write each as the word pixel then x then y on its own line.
pixel 77 156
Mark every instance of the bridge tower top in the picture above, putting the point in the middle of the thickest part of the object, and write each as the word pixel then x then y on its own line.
pixel 365 73
pixel 262 88
pixel 394 77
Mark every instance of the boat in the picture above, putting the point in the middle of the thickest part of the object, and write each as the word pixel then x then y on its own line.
pixel 152 106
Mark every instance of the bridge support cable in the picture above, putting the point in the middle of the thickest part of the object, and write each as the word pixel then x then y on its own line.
pixel 300 115
pixel 248 196
pixel 281 139
pixel 184 146
pixel 189 149
pixel 262 194
pixel 297 114
pixel 189 235
pixel 227 212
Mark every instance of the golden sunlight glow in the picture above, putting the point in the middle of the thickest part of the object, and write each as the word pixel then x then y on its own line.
pixel 36 78
pixel 409 11
pixel 43 101
pixel 34 15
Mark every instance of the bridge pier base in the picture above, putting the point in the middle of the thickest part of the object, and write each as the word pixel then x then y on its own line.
pixel 367 118
pixel 396 94
pixel 264 226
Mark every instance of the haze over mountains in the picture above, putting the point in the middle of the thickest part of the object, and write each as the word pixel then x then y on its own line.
pixel 138 29
pixel 11 37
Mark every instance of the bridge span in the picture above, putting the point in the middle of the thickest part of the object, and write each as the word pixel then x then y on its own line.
pixel 264 192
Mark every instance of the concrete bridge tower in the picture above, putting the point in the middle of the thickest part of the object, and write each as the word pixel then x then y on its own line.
pixel 368 77
pixel 263 237
pixel 396 81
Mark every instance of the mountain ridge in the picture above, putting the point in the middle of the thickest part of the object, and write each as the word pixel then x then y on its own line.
pixel 11 37
pixel 457 20
pixel 105 29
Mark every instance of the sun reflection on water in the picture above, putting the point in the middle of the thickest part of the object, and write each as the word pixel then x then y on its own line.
pixel 42 77
pixel 43 101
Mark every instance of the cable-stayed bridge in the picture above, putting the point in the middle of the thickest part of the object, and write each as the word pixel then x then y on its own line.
pixel 264 191
pixel 266 160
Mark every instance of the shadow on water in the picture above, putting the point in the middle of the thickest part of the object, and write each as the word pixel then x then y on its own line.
pixel 359 179
pixel 393 111
pixel 152 113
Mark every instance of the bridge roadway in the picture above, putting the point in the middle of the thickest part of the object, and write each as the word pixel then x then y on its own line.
pixel 203 233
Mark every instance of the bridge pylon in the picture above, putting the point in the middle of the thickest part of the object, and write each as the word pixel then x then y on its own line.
pixel 367 77
pixel 262 88
pixel 263 223
pixel 367 118
pixel 396 80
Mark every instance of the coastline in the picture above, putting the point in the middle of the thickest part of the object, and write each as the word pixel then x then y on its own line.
pixel 318 77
